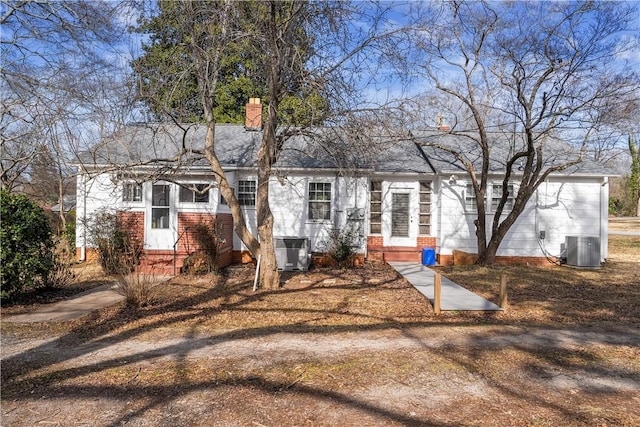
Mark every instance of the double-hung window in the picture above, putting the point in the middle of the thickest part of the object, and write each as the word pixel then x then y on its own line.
pixel 319 201
pixel 194 193
pixel 470 199
pixel 160 199
pixel 247 193
pixel 496 195
pixel 131 192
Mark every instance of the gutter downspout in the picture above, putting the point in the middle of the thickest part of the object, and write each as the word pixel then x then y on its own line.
pixel 83 247
pixel 604 219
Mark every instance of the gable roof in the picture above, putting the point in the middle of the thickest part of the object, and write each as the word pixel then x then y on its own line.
pixel 236 147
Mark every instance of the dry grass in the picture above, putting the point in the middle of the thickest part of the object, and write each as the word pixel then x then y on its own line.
pixel 625 224
pixel 375 295
pixel 452 369
pixel 563 295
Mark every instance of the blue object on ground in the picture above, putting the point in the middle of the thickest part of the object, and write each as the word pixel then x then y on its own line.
pixel 428 256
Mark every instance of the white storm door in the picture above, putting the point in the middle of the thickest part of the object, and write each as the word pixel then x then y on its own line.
pixel 161 218
pixel 403 222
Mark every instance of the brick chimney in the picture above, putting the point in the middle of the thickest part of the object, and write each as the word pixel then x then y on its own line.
pixel 253 119
pixel 441 125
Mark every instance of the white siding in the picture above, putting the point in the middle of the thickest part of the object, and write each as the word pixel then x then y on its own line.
pixel 94 195
pixel 289 204
pixel 571 206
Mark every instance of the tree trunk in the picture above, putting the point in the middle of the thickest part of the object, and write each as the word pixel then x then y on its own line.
pixel 269 274
pixel 487 256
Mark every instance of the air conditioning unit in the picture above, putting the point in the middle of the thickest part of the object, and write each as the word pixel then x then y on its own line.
pixel 292 253
pixel 583 251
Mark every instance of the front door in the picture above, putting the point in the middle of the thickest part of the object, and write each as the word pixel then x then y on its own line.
pixel 161 222
pixel 401 216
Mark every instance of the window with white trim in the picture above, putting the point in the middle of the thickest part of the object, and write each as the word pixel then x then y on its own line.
pixel 131 192
pixel 160 199
pixel 496 195
pixel 375 207
pixel 319 201
pixel 424 223
pixel 247 193
pixel 194 193
pixel 470 199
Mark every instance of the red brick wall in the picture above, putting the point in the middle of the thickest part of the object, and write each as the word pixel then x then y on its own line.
pixel 134 222
pixel 377 251
pixel 186 228
pixel 241 257
pixel 503 260
pixel 426 241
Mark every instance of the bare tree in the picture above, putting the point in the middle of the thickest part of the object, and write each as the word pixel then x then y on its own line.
pixel 57 61
pixel 511 79
pixel 299 69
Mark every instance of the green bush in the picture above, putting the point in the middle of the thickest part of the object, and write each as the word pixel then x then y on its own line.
pixel 342 244
pixel 26 256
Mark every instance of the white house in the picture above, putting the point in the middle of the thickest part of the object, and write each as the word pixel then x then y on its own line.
pixel 407 197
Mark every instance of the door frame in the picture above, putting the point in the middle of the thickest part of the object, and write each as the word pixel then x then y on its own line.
pixel 160 238
pixel 400 187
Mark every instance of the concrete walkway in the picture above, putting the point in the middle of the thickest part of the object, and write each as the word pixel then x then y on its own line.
pixel 454 297
pixel 80 304
pixel 72 308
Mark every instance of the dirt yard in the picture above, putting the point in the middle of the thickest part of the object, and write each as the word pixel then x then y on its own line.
pixel 340 347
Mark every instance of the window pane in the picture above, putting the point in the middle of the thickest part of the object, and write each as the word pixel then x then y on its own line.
pixel 319 210
pixel 247 193
pixel 319 200
pixel 400 215
pixel 186 195
pixel 131 192
pixel 376 185
pixel 376 228
pixel 497 195
pixel 470 199
pixel 201 197
pixel 160 195
pixel 160 218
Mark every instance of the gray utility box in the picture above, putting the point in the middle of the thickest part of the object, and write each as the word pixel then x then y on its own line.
pixel 292 253
pixel 583 251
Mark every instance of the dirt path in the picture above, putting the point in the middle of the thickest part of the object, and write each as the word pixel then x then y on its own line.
pixel 284 346
pixel 328 379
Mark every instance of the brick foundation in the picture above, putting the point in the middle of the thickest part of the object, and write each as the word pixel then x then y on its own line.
pixel 90 254
pixel 502 260
pixel 162 261
pixel 378 252
pixel 241 257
